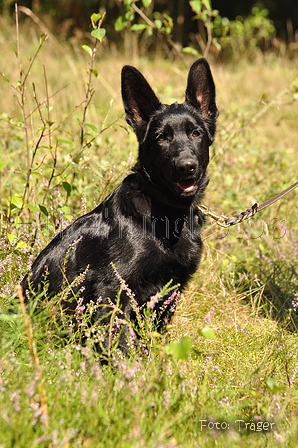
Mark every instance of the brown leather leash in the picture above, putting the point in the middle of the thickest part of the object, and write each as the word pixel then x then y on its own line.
pixel 225 221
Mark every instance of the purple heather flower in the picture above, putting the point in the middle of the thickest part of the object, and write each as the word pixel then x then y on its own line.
pixel 15 398
pixel 30 260
pixel 84 203
pixel 166 399
pixel 153 300
pixel 173 298
pixel 75 242
pixel 295 302
pixel 208 316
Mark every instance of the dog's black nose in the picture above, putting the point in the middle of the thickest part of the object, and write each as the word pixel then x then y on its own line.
pixel 186 166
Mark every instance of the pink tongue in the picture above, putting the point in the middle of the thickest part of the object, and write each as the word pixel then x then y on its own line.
pixel 186 185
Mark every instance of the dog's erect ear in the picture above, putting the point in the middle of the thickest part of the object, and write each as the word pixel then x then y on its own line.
pixel 139 100
pixel 200 92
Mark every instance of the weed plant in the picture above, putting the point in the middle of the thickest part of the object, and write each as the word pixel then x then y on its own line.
pixel 224 373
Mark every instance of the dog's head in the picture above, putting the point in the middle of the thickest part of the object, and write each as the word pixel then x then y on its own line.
pixel 173 140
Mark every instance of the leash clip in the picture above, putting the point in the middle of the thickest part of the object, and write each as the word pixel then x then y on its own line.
pixel 221 220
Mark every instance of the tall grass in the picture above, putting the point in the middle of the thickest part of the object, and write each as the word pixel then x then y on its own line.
pixel 225 372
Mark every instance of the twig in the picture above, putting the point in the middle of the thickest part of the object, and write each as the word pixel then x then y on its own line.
pixel 90 91
pixel 22 102
pixel 46 31
pixel 89 94
pixel 99 133
pixel 48 106
pixel 115 310
pixel 152 25
pixel 49 97
pixel 52 174
pixel 209 37
pixel 22 84
pixel 143 15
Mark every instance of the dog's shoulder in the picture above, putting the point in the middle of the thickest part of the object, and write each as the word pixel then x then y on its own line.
pixel 131 200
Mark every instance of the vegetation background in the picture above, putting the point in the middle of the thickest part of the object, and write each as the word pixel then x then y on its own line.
pixel 71 17
pixel 225 373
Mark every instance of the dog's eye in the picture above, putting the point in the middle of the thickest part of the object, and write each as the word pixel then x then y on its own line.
pixel 195 133
pixel 162 138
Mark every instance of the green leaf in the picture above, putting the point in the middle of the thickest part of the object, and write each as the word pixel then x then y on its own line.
pixel 98 33
pixel 65 141
pixel 196 351
pixel 91 126
pixel 95 72
pixel 190 50
pixel 204 16
pixel 207 332
pixel 158 23
pixel 157 335
pixel 87 49
pixel 66 210
pixel 4 77
pixel 273 386
pixel 179 350
pixel 50 123
pixel 11 238
pixel 146 3
pixel 21 245
pixel 32 208
pixel 207 4
pixel 67 187
pixel 14 49
pixel 95 17
pixel 216 44
pixel 17 221
pixel 120 23
pixel 196 6
pixel 17 201
pixel 2 165
pixel 138 27
pixel 262 248
pixel 43 210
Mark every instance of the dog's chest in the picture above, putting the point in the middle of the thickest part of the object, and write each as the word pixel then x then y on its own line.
pixel 170 225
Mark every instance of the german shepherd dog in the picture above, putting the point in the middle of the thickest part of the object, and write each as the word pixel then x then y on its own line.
pixel 149 227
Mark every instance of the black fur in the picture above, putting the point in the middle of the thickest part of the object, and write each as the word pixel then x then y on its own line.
pixel 149 227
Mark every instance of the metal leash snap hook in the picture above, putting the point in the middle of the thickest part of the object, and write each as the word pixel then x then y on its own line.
pixel 220 220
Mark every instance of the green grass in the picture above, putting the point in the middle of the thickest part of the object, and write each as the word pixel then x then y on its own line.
pixel 60 395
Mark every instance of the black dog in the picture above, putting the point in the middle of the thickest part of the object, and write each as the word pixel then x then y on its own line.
pixel 149 227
